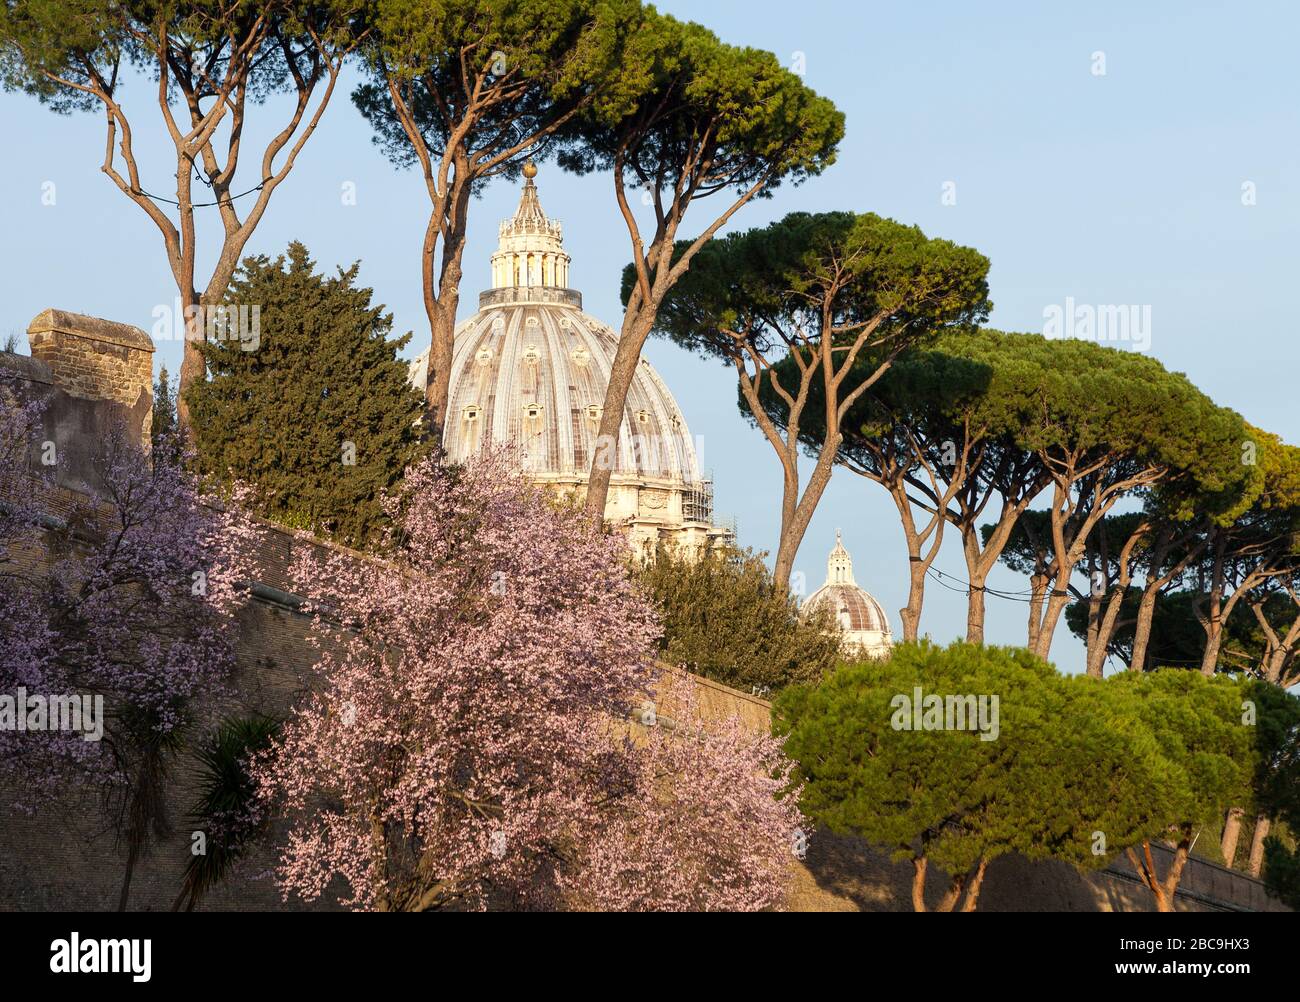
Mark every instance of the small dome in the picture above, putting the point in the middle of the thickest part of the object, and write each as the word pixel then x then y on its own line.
pixel 854 609
pixel 859 615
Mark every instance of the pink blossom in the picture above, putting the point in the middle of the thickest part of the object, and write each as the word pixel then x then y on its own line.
pixel 468 741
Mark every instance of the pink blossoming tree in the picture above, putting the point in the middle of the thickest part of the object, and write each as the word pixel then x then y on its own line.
pixel 24 635
pixel 708 829
pixel 470 741
pixel 132 602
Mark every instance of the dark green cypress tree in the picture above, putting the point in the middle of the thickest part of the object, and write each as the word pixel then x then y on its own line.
pixel 164 406
pixel 306 398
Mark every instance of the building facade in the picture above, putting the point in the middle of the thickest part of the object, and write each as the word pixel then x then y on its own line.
pixel 530 369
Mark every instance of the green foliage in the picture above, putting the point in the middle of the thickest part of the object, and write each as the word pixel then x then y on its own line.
pixel 968 389
pixel 1282 872
pixel 224 811
pixel 1080 768
pixel 1176 640
pixel 770 282
pixel 164 407
pixel 323 386
pixel 1097 401
pixel 1177 637
pixel 1208 749
pixel 1039 787
pixel 966 384
pixel 1277 786
pixel 1276 783
pixel 1031 394
pixel 61 50
pixel 683 98
pixel 724 618
pixel 543 59
pixel 1100 403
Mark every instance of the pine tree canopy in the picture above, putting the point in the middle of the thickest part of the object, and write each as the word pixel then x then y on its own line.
pixel 306 399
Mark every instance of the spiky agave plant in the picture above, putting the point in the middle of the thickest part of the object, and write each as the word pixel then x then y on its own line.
pixel 224 810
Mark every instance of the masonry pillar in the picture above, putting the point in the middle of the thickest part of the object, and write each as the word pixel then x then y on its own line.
pixel 101 361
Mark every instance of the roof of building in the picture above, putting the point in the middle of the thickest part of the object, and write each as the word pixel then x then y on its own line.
pixel 532 368
pixel 854 608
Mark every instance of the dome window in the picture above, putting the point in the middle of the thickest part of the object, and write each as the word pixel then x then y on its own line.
pixel 531 354
pixel 498 325
pixel 581 355
pixel 532 411
pixel 472 413
pixel 532 322
pixel 565 324
pixel 593 412
pixel 484 355
pixel 643 417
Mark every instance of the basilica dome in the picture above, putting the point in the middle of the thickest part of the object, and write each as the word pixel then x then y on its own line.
pixel 859 615
pixel 531 368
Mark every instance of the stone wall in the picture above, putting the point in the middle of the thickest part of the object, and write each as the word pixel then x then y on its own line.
pixel 92 376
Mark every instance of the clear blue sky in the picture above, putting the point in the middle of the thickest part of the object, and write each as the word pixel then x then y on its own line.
pixel 1117 189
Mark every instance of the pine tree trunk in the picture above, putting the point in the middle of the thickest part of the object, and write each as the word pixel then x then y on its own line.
pixel 952 895
pixel 911 613
pixel 973 887
pixel 1096 659
pixel 441 301
pixel 977 574
pixel 193 367
pixel 1163 891
pixel 783 565
pixel 1231 834
pixel 1146 616
pixel 1262 825
pixel 622 371
pixel 1037 595
pixel 1056 603
pixel 1094 651
pixel 975 611
pixel 919 866
pixel 795 526
pixel 1165 901
pixel 1210 657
